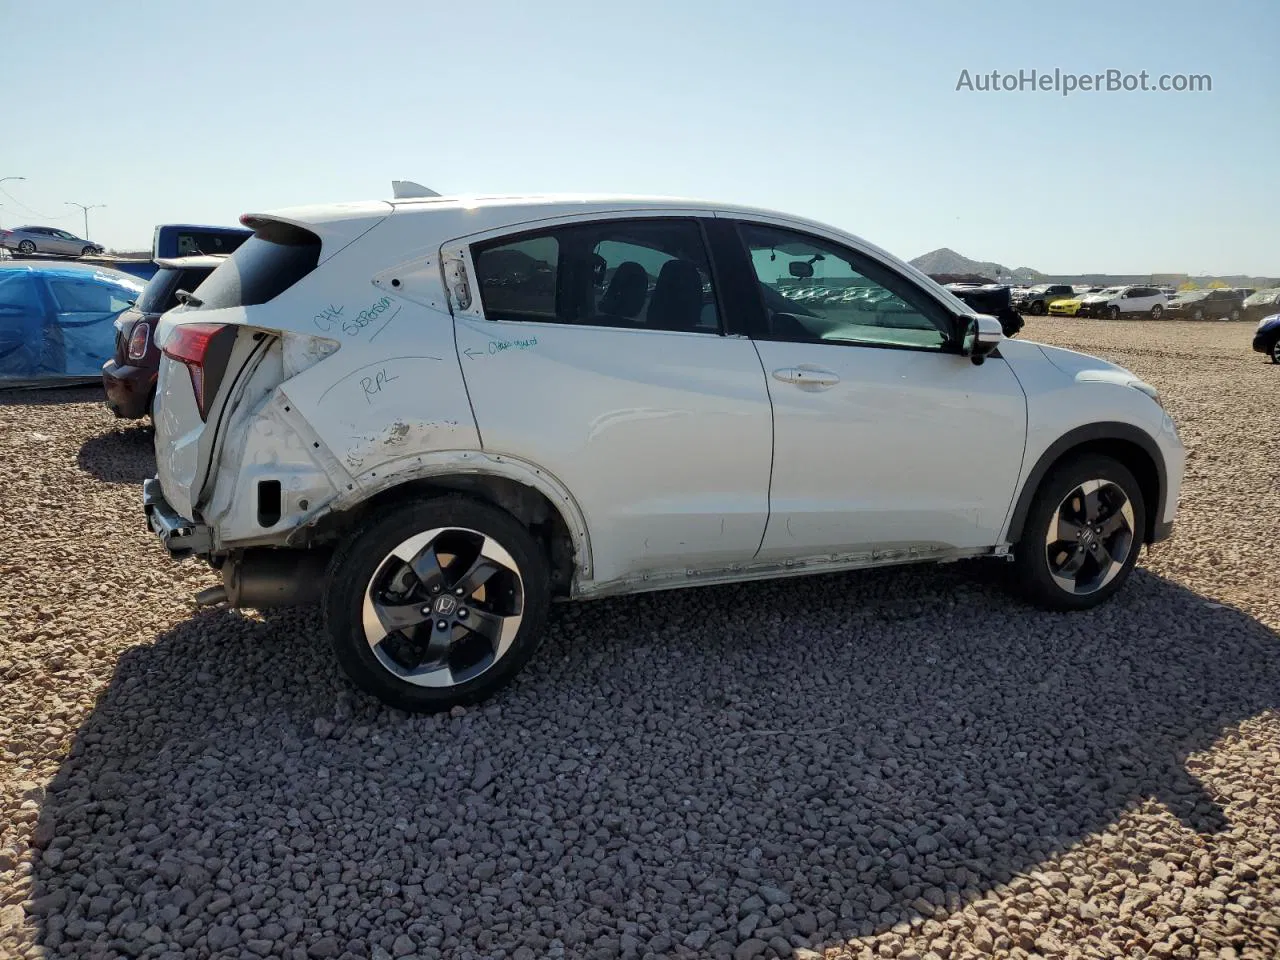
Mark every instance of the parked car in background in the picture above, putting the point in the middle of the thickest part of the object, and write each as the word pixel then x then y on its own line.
pixel 1266 339
pixel 129 377
pixel 993 299
pixel 1068 306
pixel 1261 304
pixel 1245 292
pixel 1037 299
pixel 385 407
pixel 1125 301
pixel 56 320
pixel 1219 304
pixel 30 241
pixel 191 239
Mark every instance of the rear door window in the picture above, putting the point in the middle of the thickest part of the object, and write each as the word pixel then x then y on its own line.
pixel 276 257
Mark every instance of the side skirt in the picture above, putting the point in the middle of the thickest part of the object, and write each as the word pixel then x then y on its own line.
pixel 739 573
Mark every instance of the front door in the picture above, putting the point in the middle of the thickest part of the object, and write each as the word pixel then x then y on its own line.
pixel 885 438
pixel 595 351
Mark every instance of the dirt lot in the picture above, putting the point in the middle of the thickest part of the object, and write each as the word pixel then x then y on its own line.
pixel 906 763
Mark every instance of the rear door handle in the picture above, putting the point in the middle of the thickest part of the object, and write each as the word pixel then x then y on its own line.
pixel 807 376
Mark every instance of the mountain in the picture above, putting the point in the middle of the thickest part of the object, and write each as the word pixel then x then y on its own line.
pixel 946 260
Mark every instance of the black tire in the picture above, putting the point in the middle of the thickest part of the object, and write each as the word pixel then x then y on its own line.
pixel 87 252
pixel 1032 553
pixel 1274 352
pixel 1037 308
pixel 1157 312
pixel 1197 314
pixel 1235 314
pixel 27 247
pixel 365 563
pixel 1113 312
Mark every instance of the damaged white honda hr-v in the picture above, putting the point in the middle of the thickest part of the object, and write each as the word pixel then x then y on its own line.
pixel 436 416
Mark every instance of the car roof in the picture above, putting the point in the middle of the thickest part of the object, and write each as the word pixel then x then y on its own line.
pixel 71 271
pixel 196 260
pixel 546 204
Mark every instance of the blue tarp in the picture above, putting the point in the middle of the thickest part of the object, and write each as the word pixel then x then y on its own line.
pixel 57 321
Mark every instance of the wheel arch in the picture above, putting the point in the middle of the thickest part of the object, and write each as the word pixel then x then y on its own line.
pixel 531 495
pixel 1131 446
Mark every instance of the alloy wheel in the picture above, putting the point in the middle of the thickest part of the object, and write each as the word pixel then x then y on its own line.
pixel 1090 537
pixel 443 607
pixel 1275 351
pixel 1157 312
pixel 27 247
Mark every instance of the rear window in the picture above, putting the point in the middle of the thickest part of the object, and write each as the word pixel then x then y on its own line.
pixel 152 299
pixel 276 257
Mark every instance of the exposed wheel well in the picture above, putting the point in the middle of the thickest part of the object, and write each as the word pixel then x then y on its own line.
pixel 529 506
pixel 1132 454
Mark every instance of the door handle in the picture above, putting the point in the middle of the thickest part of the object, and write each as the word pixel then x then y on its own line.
pixel 807 376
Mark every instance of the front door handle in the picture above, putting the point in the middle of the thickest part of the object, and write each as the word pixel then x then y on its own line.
pixel 807 376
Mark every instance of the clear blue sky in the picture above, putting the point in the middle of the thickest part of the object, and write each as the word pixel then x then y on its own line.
pixel 844 111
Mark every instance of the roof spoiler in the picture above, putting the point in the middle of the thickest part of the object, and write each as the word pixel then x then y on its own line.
pixel 407 189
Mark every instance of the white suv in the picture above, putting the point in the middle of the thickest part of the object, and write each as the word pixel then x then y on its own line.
pixel 437 416
pixel 1114 302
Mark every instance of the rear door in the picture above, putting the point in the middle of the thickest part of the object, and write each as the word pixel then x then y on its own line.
pixel 598 352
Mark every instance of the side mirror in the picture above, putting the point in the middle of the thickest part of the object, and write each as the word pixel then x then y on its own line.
pixel 982 335
pixel 800 269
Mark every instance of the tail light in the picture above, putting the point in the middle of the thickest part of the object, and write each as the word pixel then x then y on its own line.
pixel 139 340
pixel 205 348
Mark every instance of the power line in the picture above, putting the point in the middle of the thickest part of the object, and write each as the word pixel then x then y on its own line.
pixel 33 212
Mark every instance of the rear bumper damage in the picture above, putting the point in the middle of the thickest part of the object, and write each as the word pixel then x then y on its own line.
pixel 180 536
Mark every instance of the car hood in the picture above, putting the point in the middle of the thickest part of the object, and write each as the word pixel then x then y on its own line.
pixel 1081 366
pixel 1266 323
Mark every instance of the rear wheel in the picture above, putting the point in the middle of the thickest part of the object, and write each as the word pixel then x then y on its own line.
pixel 1275 350
pixel 437 603
pixel 1082 535
pixel 1197 313
pixel 1037 308
pixel 1157 312
pixel 1235 313
pixel 27 246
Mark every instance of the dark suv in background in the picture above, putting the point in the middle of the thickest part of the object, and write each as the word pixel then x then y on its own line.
pixel 130 376
pixel 1222 304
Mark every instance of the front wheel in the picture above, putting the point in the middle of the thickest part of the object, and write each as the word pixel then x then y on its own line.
pixel 437 603
pixel 1037 308
pixel 1197 314
pixel 87 252
pixel 1082 535
pixel 1157 312
pixel 1113 313
pixel 1275 351
pixel 1235 314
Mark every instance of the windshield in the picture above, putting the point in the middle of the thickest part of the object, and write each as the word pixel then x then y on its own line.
pixel 1189 295
pixel 1263 297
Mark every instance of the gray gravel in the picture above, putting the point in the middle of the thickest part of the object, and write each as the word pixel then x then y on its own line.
pixel 905 764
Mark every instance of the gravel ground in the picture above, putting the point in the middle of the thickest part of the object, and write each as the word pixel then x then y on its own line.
pixel 905 763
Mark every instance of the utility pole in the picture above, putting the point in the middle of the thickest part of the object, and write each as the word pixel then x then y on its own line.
pixel 86 207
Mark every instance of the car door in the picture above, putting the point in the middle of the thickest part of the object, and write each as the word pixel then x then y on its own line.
pixel 886 440
pixel 596 351
pixel 67 243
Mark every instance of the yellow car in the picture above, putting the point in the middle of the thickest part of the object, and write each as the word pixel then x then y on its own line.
pixel 1067 307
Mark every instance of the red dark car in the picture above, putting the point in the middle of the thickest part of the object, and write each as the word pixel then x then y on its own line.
pixel 130 376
